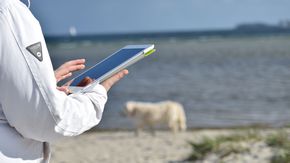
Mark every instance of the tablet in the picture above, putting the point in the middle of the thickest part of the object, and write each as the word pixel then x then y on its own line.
pixel 114 63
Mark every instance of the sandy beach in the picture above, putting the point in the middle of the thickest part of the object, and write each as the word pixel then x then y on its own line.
pixel 125 147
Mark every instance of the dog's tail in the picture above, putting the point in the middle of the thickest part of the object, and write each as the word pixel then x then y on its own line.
pixel 182 119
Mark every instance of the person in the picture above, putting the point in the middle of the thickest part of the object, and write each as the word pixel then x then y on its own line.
pixel 33 110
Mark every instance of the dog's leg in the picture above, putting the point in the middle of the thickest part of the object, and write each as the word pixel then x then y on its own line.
pixel 173 126
pixel 152 130
pixel 139 127
pixel 137 132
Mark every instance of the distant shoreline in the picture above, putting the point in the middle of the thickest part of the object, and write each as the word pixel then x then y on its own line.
pixel 236 32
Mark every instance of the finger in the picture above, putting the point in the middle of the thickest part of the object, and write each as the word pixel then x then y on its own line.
pixel 115 78
pixel 74 62
pixel 64 89
pixel 68 83
pixel 64 77
pixel 69 64
pixel 58 77
pixel 76 67
pixel 65 70
pixel 119 75
pixel 60 72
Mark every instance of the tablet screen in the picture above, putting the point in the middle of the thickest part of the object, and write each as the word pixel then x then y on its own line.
pixel 107 65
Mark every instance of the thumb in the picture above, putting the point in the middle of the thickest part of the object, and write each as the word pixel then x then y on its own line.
pixel 114 79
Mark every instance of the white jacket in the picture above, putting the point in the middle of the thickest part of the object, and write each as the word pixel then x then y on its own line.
pixel 32 110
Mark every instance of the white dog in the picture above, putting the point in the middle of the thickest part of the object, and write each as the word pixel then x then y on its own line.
pixel 151 114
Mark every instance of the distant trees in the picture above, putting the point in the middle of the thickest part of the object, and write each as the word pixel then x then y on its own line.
pixel 263 27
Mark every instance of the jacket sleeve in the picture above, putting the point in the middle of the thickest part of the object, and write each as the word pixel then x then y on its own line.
pixel 31 103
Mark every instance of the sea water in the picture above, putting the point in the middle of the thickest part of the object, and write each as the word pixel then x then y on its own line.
pixel 221 82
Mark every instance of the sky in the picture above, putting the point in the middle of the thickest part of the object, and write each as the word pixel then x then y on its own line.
pixel 133 16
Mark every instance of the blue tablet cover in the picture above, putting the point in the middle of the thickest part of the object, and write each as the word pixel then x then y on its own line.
pixel 107 64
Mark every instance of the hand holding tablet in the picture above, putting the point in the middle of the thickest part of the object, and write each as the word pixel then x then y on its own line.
pixel 111 65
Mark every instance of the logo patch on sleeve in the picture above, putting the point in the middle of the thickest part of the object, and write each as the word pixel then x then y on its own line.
pixel 36 50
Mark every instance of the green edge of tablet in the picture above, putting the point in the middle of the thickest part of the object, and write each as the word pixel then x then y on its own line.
pixel 149 52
